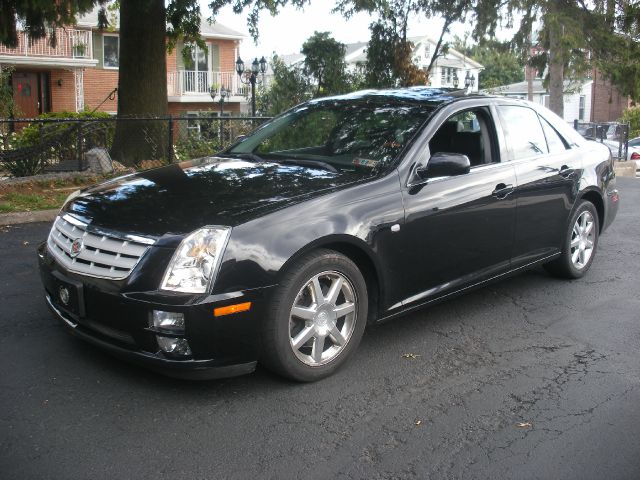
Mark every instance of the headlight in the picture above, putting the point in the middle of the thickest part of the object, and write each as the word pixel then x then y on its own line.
pixel 196 261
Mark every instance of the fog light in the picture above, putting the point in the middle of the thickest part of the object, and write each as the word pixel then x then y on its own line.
pixel 173 345
pixel 167 321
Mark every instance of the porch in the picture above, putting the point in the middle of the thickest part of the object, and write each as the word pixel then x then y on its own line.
pixel 73 49
pixel 194 86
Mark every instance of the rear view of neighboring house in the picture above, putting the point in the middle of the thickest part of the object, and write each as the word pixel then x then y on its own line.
pixel 81 71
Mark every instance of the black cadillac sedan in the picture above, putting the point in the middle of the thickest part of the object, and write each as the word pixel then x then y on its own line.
pixel 341 212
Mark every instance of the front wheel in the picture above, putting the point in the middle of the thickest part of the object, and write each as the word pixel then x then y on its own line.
pixel 581 241
pixel 317 317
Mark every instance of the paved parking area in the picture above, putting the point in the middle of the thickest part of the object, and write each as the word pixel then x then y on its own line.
pixel 529 378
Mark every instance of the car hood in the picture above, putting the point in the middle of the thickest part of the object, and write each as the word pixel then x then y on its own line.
pixel 180 198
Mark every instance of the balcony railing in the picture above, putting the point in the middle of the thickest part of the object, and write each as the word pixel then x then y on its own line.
pixel 71 43
pixel 189 82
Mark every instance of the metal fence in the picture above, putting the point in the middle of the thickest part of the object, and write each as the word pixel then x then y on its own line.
pixel 32 146
pixel 613 134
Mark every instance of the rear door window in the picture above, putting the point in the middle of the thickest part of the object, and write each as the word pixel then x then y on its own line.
pixel 554 141
pixel 523 132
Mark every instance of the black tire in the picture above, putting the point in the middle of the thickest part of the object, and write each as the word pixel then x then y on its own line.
pixel 279 328
pixel 564 266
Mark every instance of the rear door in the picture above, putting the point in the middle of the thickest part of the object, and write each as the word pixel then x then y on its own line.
pixel 547 172
pixel 459 230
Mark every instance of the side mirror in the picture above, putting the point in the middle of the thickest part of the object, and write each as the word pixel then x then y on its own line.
pixel 445 164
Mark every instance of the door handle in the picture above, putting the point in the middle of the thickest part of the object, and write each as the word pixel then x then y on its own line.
pixel 565 171
pixel 502 191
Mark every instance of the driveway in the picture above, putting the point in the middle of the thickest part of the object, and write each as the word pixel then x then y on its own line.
pixel 532 377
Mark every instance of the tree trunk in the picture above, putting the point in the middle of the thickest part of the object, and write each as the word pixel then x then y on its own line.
pixel 142 82
pixel 556 61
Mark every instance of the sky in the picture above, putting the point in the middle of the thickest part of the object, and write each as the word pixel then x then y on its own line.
pixel 286 32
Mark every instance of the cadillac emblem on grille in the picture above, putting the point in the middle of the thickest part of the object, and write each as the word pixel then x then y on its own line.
pixel 76 247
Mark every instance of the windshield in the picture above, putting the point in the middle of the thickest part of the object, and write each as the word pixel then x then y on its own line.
pixel 341 134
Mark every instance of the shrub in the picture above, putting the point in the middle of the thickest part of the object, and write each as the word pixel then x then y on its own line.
pixel 194 145
pixel 632 116
pixel 41 144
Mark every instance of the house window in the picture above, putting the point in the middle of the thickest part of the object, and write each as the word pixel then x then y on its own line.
pixel 581 107
pixel 427 51
pixel 111 51
pixel 198 59
pixel 443 76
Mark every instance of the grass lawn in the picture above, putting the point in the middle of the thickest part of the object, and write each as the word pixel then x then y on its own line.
pixel 43 195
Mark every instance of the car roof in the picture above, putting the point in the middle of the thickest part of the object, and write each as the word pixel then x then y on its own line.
pixel 421 94
pixel 418 94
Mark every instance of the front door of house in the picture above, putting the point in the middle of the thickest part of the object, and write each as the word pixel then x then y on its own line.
pixel 26 95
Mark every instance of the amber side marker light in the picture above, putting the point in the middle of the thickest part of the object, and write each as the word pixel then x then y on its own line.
pixel 229 309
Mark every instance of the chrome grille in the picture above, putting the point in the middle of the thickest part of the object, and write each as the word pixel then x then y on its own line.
pixel 101 255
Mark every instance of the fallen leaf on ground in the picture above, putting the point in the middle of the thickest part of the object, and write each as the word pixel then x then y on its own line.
pixel 418 422
pixel 25 243
pixel 410 355
pixel 524 425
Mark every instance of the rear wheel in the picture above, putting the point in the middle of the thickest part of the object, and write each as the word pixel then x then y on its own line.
pixel 581 241
pixel 317 317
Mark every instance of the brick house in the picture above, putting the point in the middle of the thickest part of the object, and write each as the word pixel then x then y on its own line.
pixel 80 72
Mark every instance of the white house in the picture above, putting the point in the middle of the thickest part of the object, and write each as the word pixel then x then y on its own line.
pixel 577 96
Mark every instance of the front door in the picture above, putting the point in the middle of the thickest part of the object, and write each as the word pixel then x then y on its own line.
pixel 26 95
pixel 459 230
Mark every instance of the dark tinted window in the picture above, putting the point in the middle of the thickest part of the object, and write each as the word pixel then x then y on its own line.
pixel 554 141
pixel 343 133
pixel 523 132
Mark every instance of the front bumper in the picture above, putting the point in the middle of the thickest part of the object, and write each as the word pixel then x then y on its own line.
pixel 118 322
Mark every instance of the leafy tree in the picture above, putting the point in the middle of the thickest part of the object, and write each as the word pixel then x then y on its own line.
pixel 575 36
pixel 147 29
pixel 37 15
pixel 324 62
pixel 8 108
pixel 289 87
pixel 389 54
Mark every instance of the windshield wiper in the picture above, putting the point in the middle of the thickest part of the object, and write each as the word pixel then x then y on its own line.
pixel 243 156
pixel 287 161
pixel 308 163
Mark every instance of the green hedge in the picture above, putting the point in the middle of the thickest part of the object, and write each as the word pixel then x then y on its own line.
pixel 40 144
pixel 632 116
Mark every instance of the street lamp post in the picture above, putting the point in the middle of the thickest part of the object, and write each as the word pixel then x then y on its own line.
pixel 250 77
pixel 469 81
pixel 224 94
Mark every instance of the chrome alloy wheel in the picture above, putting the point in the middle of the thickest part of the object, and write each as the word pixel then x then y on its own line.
pixel 582 240
pixel 322 318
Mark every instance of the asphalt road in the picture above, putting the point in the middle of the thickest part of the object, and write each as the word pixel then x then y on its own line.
pixel 529 378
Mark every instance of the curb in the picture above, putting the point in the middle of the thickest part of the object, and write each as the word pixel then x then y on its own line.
pixel 28 217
